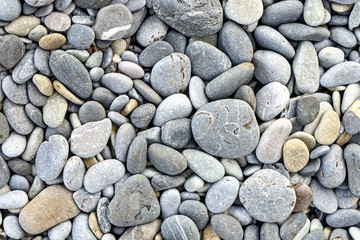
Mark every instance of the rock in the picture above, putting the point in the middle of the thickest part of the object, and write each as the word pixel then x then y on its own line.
pixel 137 155
pixel 271 67
pixel 244 12
pixel 293 226
pixel 193 18
pixel 316 234
pixel 260 204
pixel 328 129
pixel 17 118
pixel 176 133
pixel 73 174
pixel 204 165
pixel 227 227
pixel 57 22
pixel 169 203
pixel 12 48
pixel 86 201
pixel 14 145
pixel 222 194
pixel 147 92
pixel 12 227
pixel 196 211
pixel 306 68
pixel 109 30
pixel 345 198
pixel 82 141
pixel 61 230
pixel 91 111
pixel 131 69
pixel 4 128
pixel 330 56
pixel 351 152
pixel 269 149
pixel 303 32
pixel 269 231
pixel 171 74
pixel 197 92
pixel 71 72
pixel 22 25
pixel 117 82
pixel 282 12
pixel 81 229
pixel 51 157
pixel 242 132
pixel 51 206
pixel 43 84
pixel 314 12
pixel 52 41
pixel 324 199
pixel 303 197
pixel 25 69
pixel 92 4
pixel 234 42
pixel 166 159
pixel 142 115
pixel 145 231
pixel 80 36
pixel 4 172
pixel 179 226
pixel 225 84
pixel 351 119
pixel 343 218
pixel 154 53
pixel 124 137
pixel 207 62
pixel 343 36
pixel 11 10
pixel 295 155
pixel 13 199
pixel 135 203
pixel 54 110
pixel 17 93
pixel 307 109
pixel 341 74
pixel 103 174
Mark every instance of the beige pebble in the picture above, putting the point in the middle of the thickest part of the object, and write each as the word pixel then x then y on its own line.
pixel 307 138
pixel 328 129
pixel 52 41
pixel 209 233
pixel 22 25
pixel 310 128
pixel 60 88
pixel 94 225
pixel 89 162
pixel 118 46
pixel 129 107
pixel 43 84
pixel 158 237
pixel 303 197
pixel 337 88
pixel 145 231
pixel 344 138
pixel 340 8
pixel 295 155
pixel 327 232
pixel 336 99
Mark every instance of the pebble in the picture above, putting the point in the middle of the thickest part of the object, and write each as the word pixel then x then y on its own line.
pixel 60 231
pixel 12 49
pixel 124 137
pixel 169 202
pixel 343 218
pixel 163 182
pixel 196 211
pixel 250 12
pixel 166 159
pixel 43 84
pixel 41 60
pixel 81 229
pixel 14 145
pixel 354 232
pixel 191 19
pixel 282 12
pixel 307 109
pixel 146 231
pixel 234 41
pixel 51 157
pixel 57 22
pixel 226 227
pixel 204 165
pixel 17 118
pixel 80 36
pixel 269 231
pixel 324 199
pixel 142 115
pixel 51 206
pixel 259 204
pixel 194 183
pixel 343 36
pixel 330 56
pixel 86 201
pixel 22 25
pixel 117 82
pixel 341 74
pixel 207 62
pixel 246 137
pixel 222 194
pixel 179 226
pixel 12 227
pixel 327 131
pixel 103 174
pixel 94 60
pixel 293 225
pixel 137 155
pixel 352 161
pixel 176 133
pixel 73 174
pixel 303 32
pixel 4 128
pixel 303 197
pixel 37 33
pixel 345 198
pixel 151 30
pixel 131 69
pixel 295 155
pixel 136 192
pixel 92 4
pixel 154 53
pixel 269 148
pixel 4 172
pixel 18 182
pixel 271 67
pixel 11 10
pixel 306 68
pixel 25 69
pixel 91 111
pixel 350 119
pixel 54 110
pixel 13 199
pixel 197 93
pixel 314 12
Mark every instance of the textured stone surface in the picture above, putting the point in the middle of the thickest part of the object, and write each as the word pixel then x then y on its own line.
pixel 11 50
pixel 328 129
pixel 351 155
pixel 324 199
pixel 179 226
pixel 244 12
pixel 227 227
pixel 295 155
pixel 340 74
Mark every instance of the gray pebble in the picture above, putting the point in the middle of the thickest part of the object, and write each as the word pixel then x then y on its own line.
pixel 292 226
pixel 92 4
pixel 351 93
pixel 241 215
pixel 80 36
pixel 311 167
pixel 176 133
pixel 330 56
pixel 18 166
pixel 138 18
pixel 222 194
pixel 345 198
pixel 163 182
pixel 207 62
pixel 117 118
pixel 169 202
pixel 64 130
pixel 17 118
pixel 152 135
pixel 269 231
pixel 86 201
pixel 41 60
pixel 4 172
pixel 252 11
pixel 96 74
pixel 351 153
pixel 131 56
pixel 4 128
pixel 12 227
pixel 35 115
pixel 176 40
pixel 303 32
pixel 324 199
pixel 319 151
pixel 282 12
pixel 179 227
pixel 103 96
pixel 339 233
pixel 13 199
pixel 196 211
pixel 12 49
pixel 60 231
pixel 307 109
pixel 343 218
pixel 81 55
pixel 131 69
pixel 101 213
pixel 343 36
pixel 25 69
pixel 154 52
pixel 197 93
pixel 35 139
pixel 61 5
pixel 227 227
pixel 252 232
pixel 242 132
pixel 147 92
pixel 151 30
pixel 91 111
pixel 137 155
pixel 117 82
pixel 341 74
pixel 11 10
pixel 124 137
pixel 57 22
pixel 142 115
pixel 14 145
pixel 36 187
pixel 54 110
pixel 317 234
pixel 73 174
pixel 81 229
pixel 194 183
pixel 18 182
pixel 232 168
pixel 94 60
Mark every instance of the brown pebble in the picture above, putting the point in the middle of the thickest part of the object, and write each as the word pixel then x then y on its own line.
pixel 43 84
pixel 344 138
pixel 52 41
pixel 295 155
pixel 129 107
pixel 60 88
pixel 94 225
pixel 303 197
pixel 89 162
pixel 328 129
pixel 209 233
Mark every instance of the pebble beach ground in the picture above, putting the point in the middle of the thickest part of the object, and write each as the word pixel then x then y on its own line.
pixel 179 119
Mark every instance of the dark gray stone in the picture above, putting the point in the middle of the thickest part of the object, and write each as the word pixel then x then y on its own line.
pixel 292 226
pixel 179 227
pixel 18 166
pixel 35 115
pixel 137 155
pixel 12 49
pixel 41 60
pixel 282 12
pixel 352 158
pixel 92 4
pixel 147 92
pixel 4 128
pixel 176 40
pixel 153 53
pixel 101 213
pixel 303 32
pixel 176 133
pixel 163 182
pixel 227 227
pixel 4 173
pixel 91 111
pixel 196 211
pixel 343 218
pixel 307 109
pixel 124 136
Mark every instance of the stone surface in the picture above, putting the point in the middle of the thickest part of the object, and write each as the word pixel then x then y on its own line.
pixel 57 22
pixel 303 197
pixel 145 231
pixel 155 52
pixel 343 218
pixel 282 12
pixel 123 139
pixel 73 174
pixel 269 185
pixel 196 211
pixel 51 206
pixel 179 226
pixel 80 36
pixel 12 10
pixel 12 50
pixel 13 199
pixel 351 155
pixel 54 110
pixel 22 25
pixel 244 12
pixel 340 74
pixel 307 109
pixel 25 69
pixel 293 225
pixel 324 199
pixel 328 129
pixel 86 201
pixel 227 227
pixel 295 155
pixel 151 30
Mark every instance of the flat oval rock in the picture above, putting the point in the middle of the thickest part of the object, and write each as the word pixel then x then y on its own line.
pixel 73 174
pixel 179 227
pixel 324 198
pixel 258 192
pixel 12 50
pixel 25 69
pixel 50 207
pixel 341 74
pixel 227 227
pixel 17 118
pixel 217 128
pixel 351 155
pixel 243 11
pixel 82 140
pixel 343 218
pixel 92 4
pixel 282 12
pixel 71 72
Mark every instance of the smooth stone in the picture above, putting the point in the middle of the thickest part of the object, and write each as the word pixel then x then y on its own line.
pixel 123 139
pixel 234 42
pixel 303 197
pixel 57 22
pixel 282 12
pixel 222 194
pixel 101 213
pixel 303 32
pixel 343 37
pixel 351 119
pixel 137 155
pixel 227 227
pixel 86 201
pixel 176 133
pixel 151 30
pixel 147 92
pixel 269 148
pixel 244 12
pixel 207 62
pixel 33 143
pixel 154 53
pixel 197 93
pixel 13 199
pixel 314 12
pixel 80 36
pixel 94 60
pixel 41 60
pixel 311 168
pixel 307 109
pixel 339 233
pixel 43 84
pixel 345 198
pixel 25 69
pixel 142 115
pixel 343 218
pixel 191 19
pixel 270 39
pixel 324 199
pixel 11 10
pixel 4 128
pixel 37 33
pixel 341 74
pixel 351 153
pixel 91 111
pixel 117 82
pixel 176 40
pixel 225 84
pixel 269 231
pixel 173 107
pixel 4 172
pixel 232 168
pixel 196 211
pixel 295 155
pixel 138 18
pixel 306 68
pixel 135 203
pixel 292 226
pixel 92 4
pixel 242 132
pixel 145 231
pixel 319 151
pixel 354 232
pixel 55 110
pixel 330 56
pixel 327 131
pixel 131 69
pixel 171 74
pixel 260 204
pixel 12 227
pixel 204 165
pixel 22 25
pixel 12 49
pixel 71 72
pixel 163 182
pixel 73 174
pixel 17 118
pixel 64 130
pixel 169 203
pixel 39 3
pixel 81 55
pixel 271 67
pixel 241 215
pixel 51 206
pixel 316 234
pixel 51 157
pixel 103 96
pixel 81 229
pixel 60 231
pixel 14 145
pixel 311 127
pixel 179 226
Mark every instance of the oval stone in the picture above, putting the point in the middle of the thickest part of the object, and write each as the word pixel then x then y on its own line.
pixel 25 69
pixel 12 50
pixel 227 227
pixel 343 218
pixel 328 129
pixel 17 118
pixel 352 158
pixel 295 155
pixel 217 128
pixel 117 82
pixel 341 74
pixel 73 174
pixel 324 198
pixel 55 110
pixel 12 10
pixel 179 227
pixel 282 12
pixel 243 11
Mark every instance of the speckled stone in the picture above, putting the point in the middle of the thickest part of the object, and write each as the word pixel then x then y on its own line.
pixel 11 9
pixel 244 12
pixel 25 69
pixel 324 199
pixel 57 22
pixel 73 174
pixel 343 218
pixel 176 133
pixel 328 129
pixel 151 30
pixel 179 226
pixel 22 25
pixel 307 109
pixel 293 226
pixel 17 118
pixel 12 50
pixel 303 197
pixel 303 32
pixel 351 155
pixel 282 12
pixel 341 74
pixel 295 155
pixel 227 227
pixel 117 82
